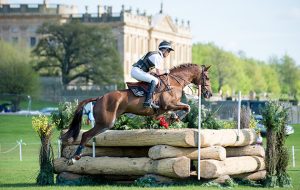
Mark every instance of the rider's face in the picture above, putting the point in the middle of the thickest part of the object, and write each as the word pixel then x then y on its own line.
pixel 166 53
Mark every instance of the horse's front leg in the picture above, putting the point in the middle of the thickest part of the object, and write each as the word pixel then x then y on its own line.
pixel 180 107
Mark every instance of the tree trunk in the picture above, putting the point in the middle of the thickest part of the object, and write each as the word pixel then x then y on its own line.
pixel 254 176
pixel 171 167
pixel 134 152
pixel 230 166
pixel 144 137
pixel 250 150
pixel 227 137
pixel 165 151
pixel 173 137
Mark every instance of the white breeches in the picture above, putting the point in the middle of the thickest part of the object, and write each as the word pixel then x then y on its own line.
pixel 141 75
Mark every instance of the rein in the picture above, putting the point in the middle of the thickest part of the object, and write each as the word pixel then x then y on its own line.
pixel 178 79
pixel 185 82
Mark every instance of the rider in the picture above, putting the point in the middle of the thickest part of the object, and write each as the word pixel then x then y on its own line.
pixel 153 59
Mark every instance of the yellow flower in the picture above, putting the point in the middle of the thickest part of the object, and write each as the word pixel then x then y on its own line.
pixel 41 125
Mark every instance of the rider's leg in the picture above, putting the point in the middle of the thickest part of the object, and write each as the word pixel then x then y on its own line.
pixel 140 75
pixel 148 100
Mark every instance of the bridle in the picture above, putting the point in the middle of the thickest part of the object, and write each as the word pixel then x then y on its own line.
pixel 185 82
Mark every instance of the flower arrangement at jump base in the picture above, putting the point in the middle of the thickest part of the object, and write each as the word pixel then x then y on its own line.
pixel 44 128
pixel 163 122
pixel 129 122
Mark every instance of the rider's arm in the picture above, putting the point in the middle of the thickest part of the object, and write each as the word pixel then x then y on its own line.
pixel 158 61
pixel 160 72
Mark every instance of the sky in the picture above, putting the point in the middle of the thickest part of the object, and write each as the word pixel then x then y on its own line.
pixel 259 28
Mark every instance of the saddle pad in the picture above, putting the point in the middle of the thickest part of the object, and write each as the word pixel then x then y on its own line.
pixel 138 91
pixel 138 88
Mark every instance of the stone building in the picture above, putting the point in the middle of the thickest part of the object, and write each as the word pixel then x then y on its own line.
pixel 136 33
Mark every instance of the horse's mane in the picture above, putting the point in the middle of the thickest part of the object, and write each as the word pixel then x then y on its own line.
pixel 183 66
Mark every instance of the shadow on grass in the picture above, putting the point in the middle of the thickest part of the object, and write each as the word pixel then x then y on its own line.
pixel 19 185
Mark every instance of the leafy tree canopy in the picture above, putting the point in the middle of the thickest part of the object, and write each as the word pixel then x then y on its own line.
pixel 18 79
pixel 78 52
pixel 232 72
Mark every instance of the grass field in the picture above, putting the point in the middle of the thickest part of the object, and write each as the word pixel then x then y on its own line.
pixel 15 174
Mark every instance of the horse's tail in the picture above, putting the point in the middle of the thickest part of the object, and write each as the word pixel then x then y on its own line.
pixel 75 125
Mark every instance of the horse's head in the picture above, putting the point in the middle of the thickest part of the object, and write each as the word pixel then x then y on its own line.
pixel 192 73
pixel 204 81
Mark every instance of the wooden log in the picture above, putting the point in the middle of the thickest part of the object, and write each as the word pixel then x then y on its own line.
pixel 144 137
pixel 227 137
pixel 230 166
pixel 133 152
pixel 166 151
pixel 170 167
pixel 254 176
pixel 221 179
pixel 173 137
pixel 250 150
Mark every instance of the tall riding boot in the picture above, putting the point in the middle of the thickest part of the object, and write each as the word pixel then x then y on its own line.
pixel 148 101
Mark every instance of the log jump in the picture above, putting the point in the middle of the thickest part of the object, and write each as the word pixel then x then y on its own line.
pixel 168 153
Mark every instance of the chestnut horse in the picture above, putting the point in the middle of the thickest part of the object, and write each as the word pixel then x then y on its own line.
pixel 110 106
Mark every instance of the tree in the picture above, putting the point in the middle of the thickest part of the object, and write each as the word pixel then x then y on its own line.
pixel 255 73
pixel 77 51
pixel 289 75
pixel 18 79
pixel 272 79
pixel 227 72
pixel 232 72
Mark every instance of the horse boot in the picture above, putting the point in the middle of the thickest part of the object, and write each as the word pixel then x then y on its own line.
pixel 148 101
pixel 77 154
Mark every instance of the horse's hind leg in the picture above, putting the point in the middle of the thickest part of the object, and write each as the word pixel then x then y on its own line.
pixel 86 136
pixel 105 112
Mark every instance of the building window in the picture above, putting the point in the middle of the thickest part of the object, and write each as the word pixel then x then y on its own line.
pixel 15 40
pixel 134 44
pixel 127 44
pixel 32 41
pixel 14 29
pixel 142 48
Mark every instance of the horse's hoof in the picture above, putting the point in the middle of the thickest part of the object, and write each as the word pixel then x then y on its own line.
pixel 77 157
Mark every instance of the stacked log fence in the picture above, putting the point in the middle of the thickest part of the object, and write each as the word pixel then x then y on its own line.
pixel 173 154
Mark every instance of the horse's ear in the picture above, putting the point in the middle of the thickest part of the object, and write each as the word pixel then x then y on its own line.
pixel 206 68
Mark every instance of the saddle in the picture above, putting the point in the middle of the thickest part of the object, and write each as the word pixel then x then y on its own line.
pixel 139 89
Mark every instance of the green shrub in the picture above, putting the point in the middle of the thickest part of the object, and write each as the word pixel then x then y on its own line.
pixel 275 118
pixel 64 116
pixel 229 124
pixel 253 123
pixel 208 120
pixel 130 121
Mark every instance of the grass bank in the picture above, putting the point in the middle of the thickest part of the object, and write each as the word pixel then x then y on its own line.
pixel 16 174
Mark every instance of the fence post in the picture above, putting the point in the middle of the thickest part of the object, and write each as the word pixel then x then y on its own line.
pixel 59 148
pixel 239 115
pixel 293 156
pixel 199 130
pixel 29 105
pixel 20 148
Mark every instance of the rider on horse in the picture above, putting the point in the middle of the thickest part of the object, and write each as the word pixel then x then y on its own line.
pixel 153 59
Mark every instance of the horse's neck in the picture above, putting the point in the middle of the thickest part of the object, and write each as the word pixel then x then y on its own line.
pixel 184 76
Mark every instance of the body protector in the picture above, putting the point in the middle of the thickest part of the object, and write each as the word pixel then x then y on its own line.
pixel 144 63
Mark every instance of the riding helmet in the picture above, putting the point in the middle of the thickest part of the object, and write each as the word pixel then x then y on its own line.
pixel 165 45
